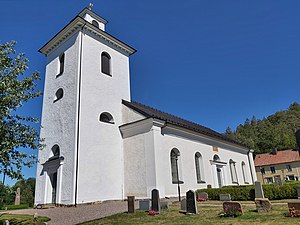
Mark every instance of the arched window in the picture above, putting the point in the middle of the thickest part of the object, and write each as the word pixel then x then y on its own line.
pixel 95 23
pixel 106 118
pixel 55 150
pixel 233 171
pixel 199 168
pixel 61 64
pixel 59 94
pixel 174 156
pixel 105 63
pixel 244 173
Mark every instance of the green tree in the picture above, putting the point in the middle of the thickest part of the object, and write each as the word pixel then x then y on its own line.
pixel 16 131
pixel 27 188
pixel 275 131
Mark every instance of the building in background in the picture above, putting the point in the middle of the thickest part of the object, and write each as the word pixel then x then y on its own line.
pixel 277 166
pixel 102 146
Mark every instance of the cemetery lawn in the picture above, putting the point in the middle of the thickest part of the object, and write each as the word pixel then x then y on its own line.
pixel 22 219
pixel 207 215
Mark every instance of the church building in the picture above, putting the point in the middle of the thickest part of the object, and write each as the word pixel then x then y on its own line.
pixel 100 145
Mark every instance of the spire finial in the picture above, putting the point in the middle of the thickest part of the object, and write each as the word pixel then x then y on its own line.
pixel 91 6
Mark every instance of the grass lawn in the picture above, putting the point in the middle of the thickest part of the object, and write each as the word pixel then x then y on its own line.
pixel 22 219
pixel 207 215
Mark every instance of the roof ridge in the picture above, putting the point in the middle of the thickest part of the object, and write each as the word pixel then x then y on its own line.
pixel 175 120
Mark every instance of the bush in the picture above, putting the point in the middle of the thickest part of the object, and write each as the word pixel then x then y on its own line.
pixel 247 192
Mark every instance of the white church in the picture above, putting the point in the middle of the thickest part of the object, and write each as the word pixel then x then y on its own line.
pixel 101 146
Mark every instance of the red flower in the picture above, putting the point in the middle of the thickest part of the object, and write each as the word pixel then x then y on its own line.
pixel 152 212
pixel 201 199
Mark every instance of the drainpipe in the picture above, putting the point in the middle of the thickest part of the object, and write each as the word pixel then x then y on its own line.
pixel 78 115
pixel 249 160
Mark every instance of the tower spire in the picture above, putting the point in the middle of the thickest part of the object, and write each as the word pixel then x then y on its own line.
pixel 90 6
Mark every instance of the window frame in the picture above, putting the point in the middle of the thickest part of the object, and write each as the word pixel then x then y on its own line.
pixel 175 167
pixel 61 64
pixel 199 168
pixel 108 115
pixel 59 94
pixel 106 64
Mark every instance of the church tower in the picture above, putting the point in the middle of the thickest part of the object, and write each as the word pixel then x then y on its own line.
pixel 87 76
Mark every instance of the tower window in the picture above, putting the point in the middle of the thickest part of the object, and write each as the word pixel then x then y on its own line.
pixel 95 23
pixel 105 63
pixel 59 94
pixel 106 118
pixel 61 64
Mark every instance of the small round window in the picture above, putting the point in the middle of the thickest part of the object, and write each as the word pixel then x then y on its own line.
pixel 59 94
pixel 106 117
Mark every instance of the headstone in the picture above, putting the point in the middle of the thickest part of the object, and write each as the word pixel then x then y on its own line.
pixel 298 191
pixel 232 207
pixel 203 195
pixel 144 205
pixel 130 202
pixel 6 222
pixel 225 197
pixel 183 204
pixel 294 208
pixel 208 186
pixel 155 201
pixel 263 205
pixel 164 205
pixel 191 204
pixel 18 196
pixel 259 192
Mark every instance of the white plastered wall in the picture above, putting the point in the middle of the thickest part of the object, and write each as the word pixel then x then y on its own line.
pixel 100 169
pixel 59 123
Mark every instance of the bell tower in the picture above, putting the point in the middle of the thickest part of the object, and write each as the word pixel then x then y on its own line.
pixel 87 76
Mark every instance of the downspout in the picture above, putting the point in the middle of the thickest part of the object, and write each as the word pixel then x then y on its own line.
pixel 250 165
pixel 78 114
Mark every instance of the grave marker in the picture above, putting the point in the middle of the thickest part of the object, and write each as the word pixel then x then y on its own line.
pixel 263 205
pixel 18 196
pixel 155 205
pixel 232 207
pixel 144 205
pixel 203 195
pixel 130 202
pixel 259 192
pixel 191 204
pixel 225 197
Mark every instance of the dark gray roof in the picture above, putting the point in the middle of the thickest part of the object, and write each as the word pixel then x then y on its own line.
pixel 174 120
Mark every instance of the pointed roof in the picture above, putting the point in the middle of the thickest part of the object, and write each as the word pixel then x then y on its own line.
pixel 286 156
pixel 150 112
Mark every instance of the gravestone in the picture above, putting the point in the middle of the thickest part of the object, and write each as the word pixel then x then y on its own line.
pixel 191 204
pixel 263 205
pixel 203 195
pixel 183 204
pixel 6 222
pixel 232 206
pixel 259 192
pixel 208 186
pixel 144 205
pixel 225 197
pixel 130 202
pixel 298 191
pixel 18 196
pixel 294 208
pixel 155 201
pixel 164 205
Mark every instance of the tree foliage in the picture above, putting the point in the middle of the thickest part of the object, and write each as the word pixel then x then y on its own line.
pixel 275 131
pixel 27 187
pixel 16 131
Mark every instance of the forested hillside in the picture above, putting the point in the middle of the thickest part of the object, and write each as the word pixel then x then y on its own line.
pixel 275 131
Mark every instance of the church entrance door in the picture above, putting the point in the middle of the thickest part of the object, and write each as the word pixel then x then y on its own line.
pixel 53 179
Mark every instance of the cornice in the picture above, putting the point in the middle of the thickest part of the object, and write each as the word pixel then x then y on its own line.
pixel 79 22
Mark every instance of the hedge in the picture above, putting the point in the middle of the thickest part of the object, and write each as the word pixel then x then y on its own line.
pixel 247 192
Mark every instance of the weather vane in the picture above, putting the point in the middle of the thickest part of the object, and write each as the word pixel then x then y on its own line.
pixel 90 6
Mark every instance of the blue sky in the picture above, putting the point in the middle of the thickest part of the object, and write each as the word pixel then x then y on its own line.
pixel 212 62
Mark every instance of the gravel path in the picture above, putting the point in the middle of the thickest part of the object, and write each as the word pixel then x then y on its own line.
pixel 74 215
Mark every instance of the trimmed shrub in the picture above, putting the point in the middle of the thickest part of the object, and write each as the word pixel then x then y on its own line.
pixel 247 192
